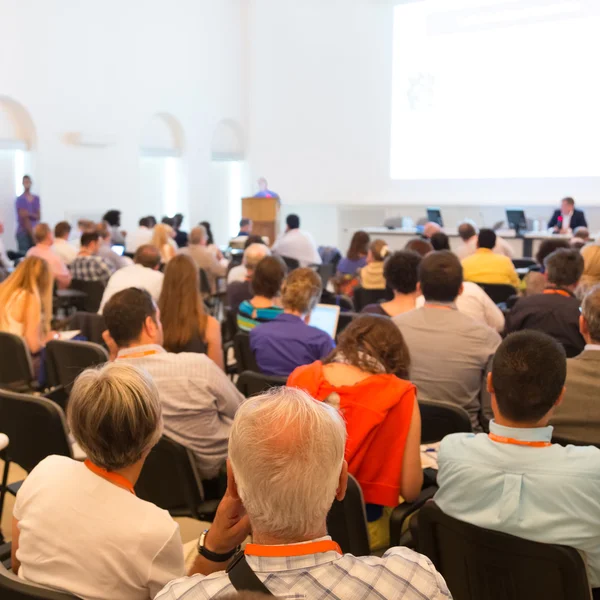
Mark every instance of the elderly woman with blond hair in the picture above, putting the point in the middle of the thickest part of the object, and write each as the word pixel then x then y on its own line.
pixel 78 526
pixel 591 270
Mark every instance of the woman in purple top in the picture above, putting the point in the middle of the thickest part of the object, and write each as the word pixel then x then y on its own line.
pixel 356 257
pixel 28 216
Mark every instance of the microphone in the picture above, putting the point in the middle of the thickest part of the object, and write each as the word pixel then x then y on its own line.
pixel 560 222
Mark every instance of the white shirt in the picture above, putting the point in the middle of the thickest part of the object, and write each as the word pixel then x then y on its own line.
pixel 478 305
pixel 299 245
pixel 133 276
pixel 138 237
pixel 237 274
pixel 85 535
pixel 470 247
pixel 566 221
pixel 66 251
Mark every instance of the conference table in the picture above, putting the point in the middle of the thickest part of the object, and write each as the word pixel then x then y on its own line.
pixel 523 246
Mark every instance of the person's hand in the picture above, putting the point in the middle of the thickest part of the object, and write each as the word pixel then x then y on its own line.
pixel 113 349
pixel 230 527
pixel 52 335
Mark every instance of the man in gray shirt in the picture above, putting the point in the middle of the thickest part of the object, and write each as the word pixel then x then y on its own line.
pixel 198 400
pixel 450 352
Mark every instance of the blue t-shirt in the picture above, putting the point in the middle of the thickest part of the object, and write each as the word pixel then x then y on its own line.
pixel 288 342
pixel 351 267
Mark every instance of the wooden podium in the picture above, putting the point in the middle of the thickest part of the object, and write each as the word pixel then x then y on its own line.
pixel 264 213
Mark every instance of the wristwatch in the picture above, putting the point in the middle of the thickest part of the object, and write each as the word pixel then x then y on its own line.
pixel 213 556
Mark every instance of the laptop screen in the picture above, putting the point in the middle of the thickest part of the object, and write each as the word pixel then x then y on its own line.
pixel 118 249
pixel 325 317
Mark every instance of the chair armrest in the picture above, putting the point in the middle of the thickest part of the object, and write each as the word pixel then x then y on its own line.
pixel 403 511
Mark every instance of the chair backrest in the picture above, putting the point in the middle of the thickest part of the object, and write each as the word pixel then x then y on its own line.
pixel 35 426
pixel 498 292
pixel 439 419
pixel 326 271
pixel 344 320
pixel 290 263
pixel 170 479
pixel 480 564
pixel 251 383
pixel 364 297
pixel 65 360
pixel 93 289
pixel 91 325
pixel 524 263
pixel 243 353
pixel 14 588
pixel 347 521
pixel 16 368
pixel 230 322
pixel 205 289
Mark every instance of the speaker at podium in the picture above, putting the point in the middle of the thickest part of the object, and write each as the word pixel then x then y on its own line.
pixel 264 213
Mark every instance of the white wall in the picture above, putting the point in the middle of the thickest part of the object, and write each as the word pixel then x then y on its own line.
pixel 106 68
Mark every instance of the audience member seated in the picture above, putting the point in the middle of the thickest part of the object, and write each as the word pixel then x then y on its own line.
pixel 78 526
pixel 181 237
pixel 401 275
pixel 356 257
pixel 144 274
pixel 450 352
pixel 238 291
pixel 61 246
pixel 210 241
pixel 161 239
pixel 239 240
pixel 186 326
pixel 113 219
pixel 198 400
pixel 283 490
pixel 440 241
pixel 515 480
pixel 591 270
pixel 26 303
pixel 204 258
pixel 578 417
pixel 88 266
pixel 468 234
pixel 288 341
pixel 420 246
pixel 105 251
pixel 371 276
pixel 266 285
pixel 297 244
pixel 44 240
pixel 487 267
pixel 365 377
pixel 431 228
pixel 581 236
pixel 555 311
pixel 140 237
pixel 239 272
pixel 535 282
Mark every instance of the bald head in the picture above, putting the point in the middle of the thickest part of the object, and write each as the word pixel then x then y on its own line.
pixel 148 256
pixel 198 235
pixel 466 231
pixel 430 229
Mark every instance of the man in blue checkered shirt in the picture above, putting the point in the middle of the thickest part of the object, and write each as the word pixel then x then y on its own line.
pixel 286 466
pixel 88 266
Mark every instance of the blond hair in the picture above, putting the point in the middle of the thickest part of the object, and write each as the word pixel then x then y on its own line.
pixel 301 291
pixel 379 250
pixel 40 232
pixel 198 235
pixel 33 277
pixel 115 414
pixel 591 270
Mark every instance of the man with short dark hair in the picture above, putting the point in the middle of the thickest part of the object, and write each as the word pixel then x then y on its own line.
pixel 487 267
pixel 237 243
pixel 140 236
pixel 44 240
pixel 88 266
pixel 105 251
pixel 61 245
pixel 181 237
pixel 468 234
pixel 144 274
pixel 556 310
pixel 297 244
pixel 567 217
pixel 515 480
pixel 449 350
pixel 198 400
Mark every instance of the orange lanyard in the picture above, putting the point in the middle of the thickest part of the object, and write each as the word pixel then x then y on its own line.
pixel 504 440
pixel 112 477
pixel 293 549
pixel 561 292
pixel 138 354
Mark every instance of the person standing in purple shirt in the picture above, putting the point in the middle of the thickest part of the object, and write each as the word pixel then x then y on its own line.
pixel 288 341
pixel 28 216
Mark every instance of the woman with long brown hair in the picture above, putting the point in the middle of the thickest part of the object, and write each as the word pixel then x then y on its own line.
pixel 186 326
pixel 356 257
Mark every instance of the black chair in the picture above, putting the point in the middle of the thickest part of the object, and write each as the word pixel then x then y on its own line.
pixel 36 428
pixel 14 588
pixel 250 383
pixel 439 419
pixel 347 521
pixel 524 263
pixel 243 353
pixel 91 325
pixel 16 366
pixel 94 291
pixel 326 271
pixel 364 297
pixel 344 320
pixel 170 480
pixel 480 564
pixel 290 263
pixel 65 360
pixel 66 301
pixel 498 292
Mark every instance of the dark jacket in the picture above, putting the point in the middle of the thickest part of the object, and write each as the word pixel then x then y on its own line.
pixel 577 219
pixel 555 312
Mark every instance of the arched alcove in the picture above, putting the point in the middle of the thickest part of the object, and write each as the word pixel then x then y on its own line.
pixel 162 136
pixel 227 143
pixel 17 130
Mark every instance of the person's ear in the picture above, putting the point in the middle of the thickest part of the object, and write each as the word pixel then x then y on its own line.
pixel 583 327
pixel 560 398
pixel 150 327
pixel 419 291
pixel 231 483
pixel 461 289
pixel 490 384
pixel 343 482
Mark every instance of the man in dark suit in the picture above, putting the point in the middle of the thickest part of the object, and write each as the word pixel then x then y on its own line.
pixel 567 218
pixel 578 417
